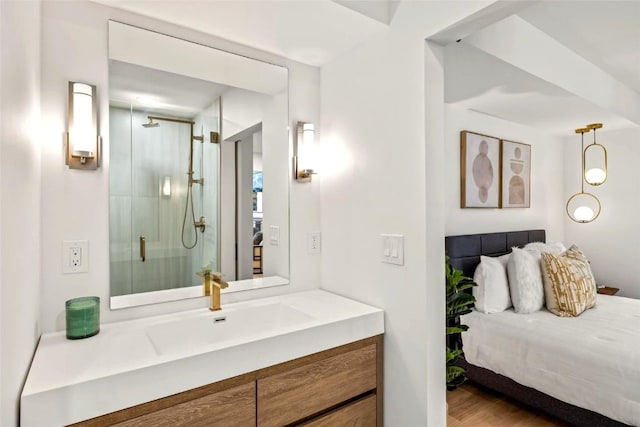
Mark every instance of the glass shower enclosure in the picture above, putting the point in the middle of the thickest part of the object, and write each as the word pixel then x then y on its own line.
pixel 164 196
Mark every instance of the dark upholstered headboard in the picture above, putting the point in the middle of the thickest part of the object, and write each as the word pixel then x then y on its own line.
pixel 464 251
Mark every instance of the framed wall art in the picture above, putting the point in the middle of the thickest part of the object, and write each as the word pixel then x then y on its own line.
pixel 516 174
pixel 479 170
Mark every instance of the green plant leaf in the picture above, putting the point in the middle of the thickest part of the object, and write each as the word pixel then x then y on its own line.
pixel 456 329
pixel 459 301
pixel 453 372
pixel 453 355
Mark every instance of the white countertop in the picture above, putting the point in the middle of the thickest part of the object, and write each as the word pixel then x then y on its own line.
pixel 70 381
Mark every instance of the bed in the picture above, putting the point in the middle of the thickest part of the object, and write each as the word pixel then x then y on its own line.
pixel 584 370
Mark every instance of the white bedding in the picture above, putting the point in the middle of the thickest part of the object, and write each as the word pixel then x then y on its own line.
pixel 591 361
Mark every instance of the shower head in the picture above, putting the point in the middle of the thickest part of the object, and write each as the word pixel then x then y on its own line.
pixel 151 124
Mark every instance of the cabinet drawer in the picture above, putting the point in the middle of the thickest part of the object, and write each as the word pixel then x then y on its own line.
pixel 309 389
pixel 361 413
pixel 235 407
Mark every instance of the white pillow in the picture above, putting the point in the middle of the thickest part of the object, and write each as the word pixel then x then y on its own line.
pixel 492 292
pixel 537 248
pixel 525 281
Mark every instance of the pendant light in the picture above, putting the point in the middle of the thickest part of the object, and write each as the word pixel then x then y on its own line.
pixel 583 207
pixel 594 162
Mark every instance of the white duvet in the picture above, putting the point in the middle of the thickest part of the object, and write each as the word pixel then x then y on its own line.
pixel 591 361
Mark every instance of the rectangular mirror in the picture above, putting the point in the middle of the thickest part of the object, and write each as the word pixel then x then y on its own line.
pixel 199 168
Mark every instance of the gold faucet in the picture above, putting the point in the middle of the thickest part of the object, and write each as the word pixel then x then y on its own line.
pixel 212 283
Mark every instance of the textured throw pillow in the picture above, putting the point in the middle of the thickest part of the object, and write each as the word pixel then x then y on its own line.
pixel 525 281
pixel 569 286
pixel 492 292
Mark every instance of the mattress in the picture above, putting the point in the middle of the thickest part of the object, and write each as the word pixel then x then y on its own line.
pixel 591 361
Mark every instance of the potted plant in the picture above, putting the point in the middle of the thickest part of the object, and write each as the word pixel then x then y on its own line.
pixel 459 301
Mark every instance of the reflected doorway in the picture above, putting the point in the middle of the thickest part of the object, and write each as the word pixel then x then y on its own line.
pixel 241 195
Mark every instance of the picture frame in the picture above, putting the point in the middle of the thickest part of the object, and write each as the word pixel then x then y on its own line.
pixel 479 170
pixel 515 161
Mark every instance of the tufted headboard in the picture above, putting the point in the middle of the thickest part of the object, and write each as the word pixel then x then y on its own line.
pixel 464 251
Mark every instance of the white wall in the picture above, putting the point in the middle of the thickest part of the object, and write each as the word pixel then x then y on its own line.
pixel 240 110
pixel 375 181
pixel 20 188
pixel 611 241
pixel 75 203
pixel 547 201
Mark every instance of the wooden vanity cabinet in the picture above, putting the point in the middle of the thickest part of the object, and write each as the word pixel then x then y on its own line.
pixel 234 407
pixel 294 394
pixel 362 412
pixel 339 386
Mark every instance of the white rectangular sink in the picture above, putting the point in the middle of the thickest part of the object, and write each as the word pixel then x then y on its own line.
pixel 210 330
pixel 154 357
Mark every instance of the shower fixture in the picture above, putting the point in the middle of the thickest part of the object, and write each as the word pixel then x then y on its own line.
pixel 150 124
pixel 200 224
pixel 214 137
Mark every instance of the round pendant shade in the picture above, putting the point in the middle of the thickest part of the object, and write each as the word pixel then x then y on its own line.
pixel 583 207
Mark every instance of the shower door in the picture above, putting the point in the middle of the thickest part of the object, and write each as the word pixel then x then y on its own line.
pixel 153 221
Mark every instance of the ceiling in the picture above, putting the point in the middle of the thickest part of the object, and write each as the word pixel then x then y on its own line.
pixel 604 32
pixel 159 92
pixel 478 81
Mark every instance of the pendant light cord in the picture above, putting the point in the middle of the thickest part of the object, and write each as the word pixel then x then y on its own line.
pixel 582 156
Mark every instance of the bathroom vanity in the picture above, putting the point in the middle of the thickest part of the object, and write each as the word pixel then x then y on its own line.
pixel 311 358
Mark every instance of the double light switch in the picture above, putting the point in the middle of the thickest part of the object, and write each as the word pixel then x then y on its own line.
pixel 392 248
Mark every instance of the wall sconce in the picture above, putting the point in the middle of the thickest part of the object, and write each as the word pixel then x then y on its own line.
pixel 304 152
pixel 165 187
pixel 594 155
pixel 583 207
pixel 82 145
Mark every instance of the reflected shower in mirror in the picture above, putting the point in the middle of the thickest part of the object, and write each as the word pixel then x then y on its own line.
pixel 188 159
pixel 164 182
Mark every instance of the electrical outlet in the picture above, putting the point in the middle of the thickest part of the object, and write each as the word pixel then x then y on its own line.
pixel 313 242
pixel 75 256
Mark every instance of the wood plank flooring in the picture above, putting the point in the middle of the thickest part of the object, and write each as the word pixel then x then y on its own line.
pixel 473 406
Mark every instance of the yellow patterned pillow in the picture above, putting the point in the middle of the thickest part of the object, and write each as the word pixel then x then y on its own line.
pixel 569 286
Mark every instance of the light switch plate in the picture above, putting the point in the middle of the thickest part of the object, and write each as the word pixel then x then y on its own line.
pixel 274 235
pixel 392 249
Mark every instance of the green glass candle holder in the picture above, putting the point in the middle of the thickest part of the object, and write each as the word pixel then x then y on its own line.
pixel 83 317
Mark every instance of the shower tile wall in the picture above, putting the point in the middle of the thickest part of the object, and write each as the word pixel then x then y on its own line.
pixel 137 206
pixel 120 201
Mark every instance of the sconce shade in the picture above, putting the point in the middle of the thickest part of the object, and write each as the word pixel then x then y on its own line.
pixel 82 140
pixel 305 152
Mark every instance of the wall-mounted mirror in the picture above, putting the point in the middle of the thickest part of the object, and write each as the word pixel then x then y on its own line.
pixel 199 168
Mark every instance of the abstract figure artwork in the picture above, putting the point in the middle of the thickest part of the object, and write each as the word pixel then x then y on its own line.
pixel 479 171
pixel 516 174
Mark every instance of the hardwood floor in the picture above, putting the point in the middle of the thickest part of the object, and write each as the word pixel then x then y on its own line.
pixel 473 406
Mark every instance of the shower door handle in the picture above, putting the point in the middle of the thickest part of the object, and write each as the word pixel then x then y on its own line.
pixel 143 248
